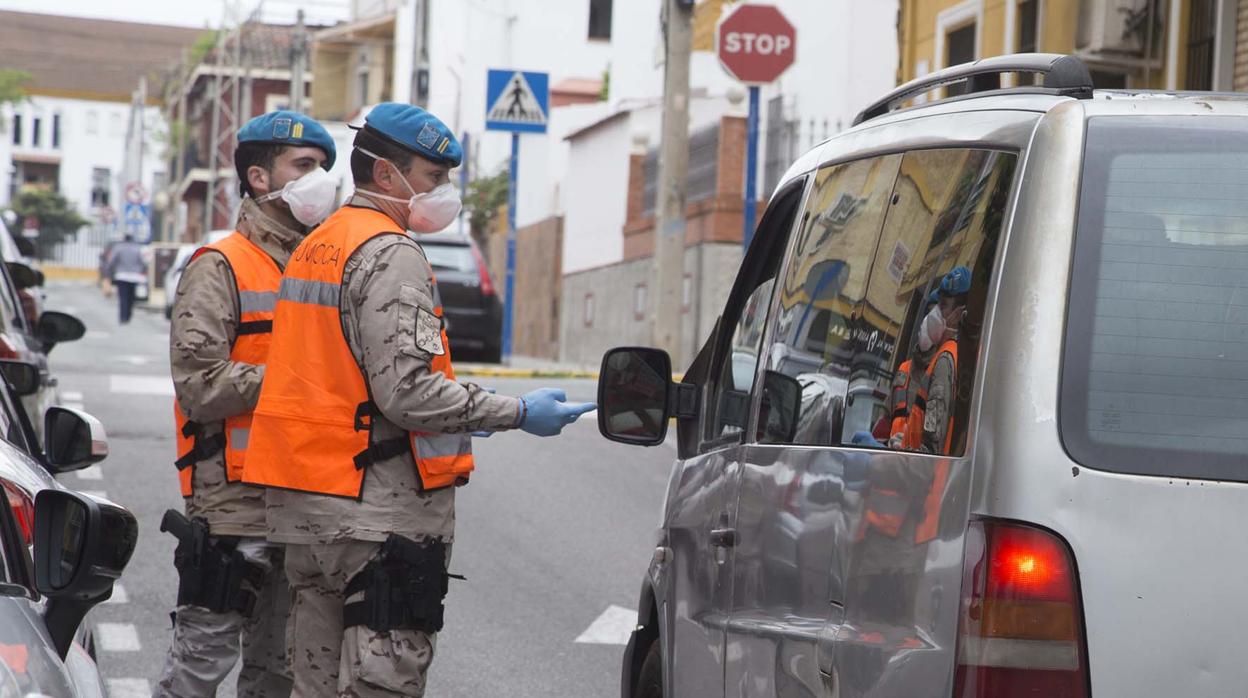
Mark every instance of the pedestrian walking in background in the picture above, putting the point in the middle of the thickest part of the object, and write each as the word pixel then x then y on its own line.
pixel 126 270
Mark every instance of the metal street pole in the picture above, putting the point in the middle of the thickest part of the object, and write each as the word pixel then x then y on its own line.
pixel 298 64
pixel 751 167
pixel 509 301
pixel 667 307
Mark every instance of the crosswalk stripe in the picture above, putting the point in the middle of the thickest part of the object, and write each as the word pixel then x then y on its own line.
pixel 128 688
pixel 95 493
pixel 90 473
pixel 118 637
pixel 71 396
pixel 613 627
pixel 140 385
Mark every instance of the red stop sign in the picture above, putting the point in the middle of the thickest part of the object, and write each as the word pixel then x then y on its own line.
pixel 756 43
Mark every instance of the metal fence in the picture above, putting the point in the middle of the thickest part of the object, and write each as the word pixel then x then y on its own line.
pixel 703 170
pixel 81 250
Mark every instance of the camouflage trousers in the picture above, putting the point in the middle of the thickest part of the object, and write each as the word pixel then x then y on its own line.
pixel 206 645
pixel 329 660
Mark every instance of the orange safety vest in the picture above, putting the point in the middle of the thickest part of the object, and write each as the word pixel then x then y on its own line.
pixel 886 509
pixel 313 426
pixel 257 277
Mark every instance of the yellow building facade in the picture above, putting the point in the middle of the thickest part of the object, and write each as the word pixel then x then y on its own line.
pixel 1155 44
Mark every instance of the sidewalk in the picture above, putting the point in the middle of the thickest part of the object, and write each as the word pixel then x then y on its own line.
pixel 526 367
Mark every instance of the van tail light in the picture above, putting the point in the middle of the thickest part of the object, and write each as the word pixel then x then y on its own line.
pixel 1020 630
pixel 23 510
pixel 7 351
pixel 487 286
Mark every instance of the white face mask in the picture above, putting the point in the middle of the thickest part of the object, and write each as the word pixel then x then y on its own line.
pixel 311 197
pixel 430 212
pixel 932 330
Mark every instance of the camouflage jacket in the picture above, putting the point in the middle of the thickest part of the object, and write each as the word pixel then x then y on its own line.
pixel 209 386
pixel 386 282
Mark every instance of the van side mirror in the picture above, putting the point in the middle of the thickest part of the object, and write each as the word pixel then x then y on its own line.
pixel 72 439
pixel 82 545
pixel 781 406
pixel 25 245
pixel 23 275
pixel 22 377
pixel 636 396
pixel 55 328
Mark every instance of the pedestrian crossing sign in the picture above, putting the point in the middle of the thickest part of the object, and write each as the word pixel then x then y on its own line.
pixel 517 101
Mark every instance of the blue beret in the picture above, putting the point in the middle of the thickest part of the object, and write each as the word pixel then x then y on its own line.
pixel 416 130
pixel 289 128
pixel 956 282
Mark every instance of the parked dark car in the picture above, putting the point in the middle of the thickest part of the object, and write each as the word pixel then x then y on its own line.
pixel 60 551
pixel 471 305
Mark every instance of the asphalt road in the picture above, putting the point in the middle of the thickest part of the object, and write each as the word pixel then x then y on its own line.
pixel 553 534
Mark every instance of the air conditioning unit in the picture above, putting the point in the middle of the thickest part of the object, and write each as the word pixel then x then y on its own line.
pixel 1110 29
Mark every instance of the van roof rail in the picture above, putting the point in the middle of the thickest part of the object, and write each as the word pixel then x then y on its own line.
pixel 1063 75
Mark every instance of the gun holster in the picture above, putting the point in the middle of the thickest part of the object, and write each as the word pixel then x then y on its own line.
pixel 403 587
pixel 212 573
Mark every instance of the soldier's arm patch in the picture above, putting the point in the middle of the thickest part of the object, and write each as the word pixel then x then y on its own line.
pixel 429 332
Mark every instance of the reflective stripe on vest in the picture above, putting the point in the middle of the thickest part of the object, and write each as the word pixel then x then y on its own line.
pixel 256 276
pixel 312 426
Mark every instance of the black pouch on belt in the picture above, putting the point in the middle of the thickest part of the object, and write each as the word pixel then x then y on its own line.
pixel 403 587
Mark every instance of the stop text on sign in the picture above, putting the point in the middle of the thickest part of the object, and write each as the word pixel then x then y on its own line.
pixel 760 44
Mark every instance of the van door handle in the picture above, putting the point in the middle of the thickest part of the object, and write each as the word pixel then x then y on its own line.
pixel 724 537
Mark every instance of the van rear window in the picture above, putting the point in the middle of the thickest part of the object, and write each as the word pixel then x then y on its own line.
pixel 1155 374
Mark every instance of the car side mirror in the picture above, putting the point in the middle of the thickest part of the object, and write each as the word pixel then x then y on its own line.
pixel 72 439
pixel 782 405
pixel 55 328
pixel 23 377
pixel 82 545
pixel 637 397
pixel 23 275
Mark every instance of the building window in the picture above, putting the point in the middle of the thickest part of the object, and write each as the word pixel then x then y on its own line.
pixel 93 123
pixel 782 141
pixel 362 78
pixel 600 19
pixel 36 131
pixel 589 310
pixel 1202 29
pixel 114 125
pixel 1028 34
pixel 640 302
pixel 17 129
pixel 961 49
pixel 56 130
pixel 100 177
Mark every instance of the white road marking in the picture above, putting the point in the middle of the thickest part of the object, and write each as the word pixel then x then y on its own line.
pixel 91 473
pixel 74 406
pixel 140 385
pixel 129 688
pixel 613 627
pixel 95 493
pixel 71 396
pixel 119 595
pixel 97 334
pixel 118 637
pixel 134 359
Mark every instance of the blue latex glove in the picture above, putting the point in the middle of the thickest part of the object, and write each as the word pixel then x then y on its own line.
pixel 547 411
pixel 865 438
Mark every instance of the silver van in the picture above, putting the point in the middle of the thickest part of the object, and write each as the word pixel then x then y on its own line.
pixel 994 438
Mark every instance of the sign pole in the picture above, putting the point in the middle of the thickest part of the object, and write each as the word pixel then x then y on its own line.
pixel 751 167
pixel 510 284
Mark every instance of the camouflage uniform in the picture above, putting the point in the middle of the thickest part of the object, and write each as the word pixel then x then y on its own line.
pixel 209 388
pixel 329 539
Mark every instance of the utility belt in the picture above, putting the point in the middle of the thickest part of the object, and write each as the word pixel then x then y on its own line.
pixel 212 573
pixel 404 587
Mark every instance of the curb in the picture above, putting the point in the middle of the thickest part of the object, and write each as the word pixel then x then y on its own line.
pixel 55 273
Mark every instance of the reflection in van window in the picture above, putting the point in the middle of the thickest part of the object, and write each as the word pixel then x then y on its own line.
pixel 876 348
pixel 1155 379
pixel 825 282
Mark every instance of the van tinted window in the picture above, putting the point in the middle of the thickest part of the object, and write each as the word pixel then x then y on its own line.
pixel 1155 375
pixel 869 379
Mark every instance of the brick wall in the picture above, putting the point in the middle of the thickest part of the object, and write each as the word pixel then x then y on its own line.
pixel 1241 48
pixel 539 276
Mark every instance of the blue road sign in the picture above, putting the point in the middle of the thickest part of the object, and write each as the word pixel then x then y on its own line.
pixel 517 101
pixel 136 220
